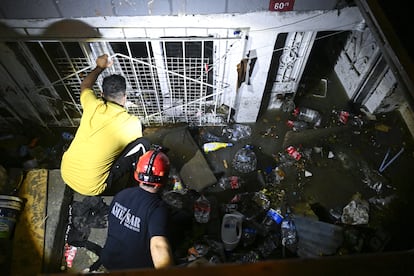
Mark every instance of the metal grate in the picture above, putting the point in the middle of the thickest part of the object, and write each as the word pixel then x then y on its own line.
pixel 170 80
pixel 185 98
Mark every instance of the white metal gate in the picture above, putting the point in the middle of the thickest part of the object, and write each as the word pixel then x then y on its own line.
pixel 170 80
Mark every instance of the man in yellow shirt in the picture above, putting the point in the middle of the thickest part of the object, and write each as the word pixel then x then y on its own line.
pixel 108 141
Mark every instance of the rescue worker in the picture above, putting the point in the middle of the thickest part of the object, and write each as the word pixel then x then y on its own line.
pixel 106 144
pixel 138 219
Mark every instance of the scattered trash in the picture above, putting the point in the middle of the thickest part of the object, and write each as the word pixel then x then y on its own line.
pixel 356 212
pixel 249 257
pixel 261 200
pixel 346 118
pixel 245 160
pixel 385 163
pixel 308 174
pixel 275 176
pixel 382 127
pixel 231 230
pixel 174 199
pixel 230 207
pixel 248 236
pixel 197 251
pixel 372 178
pixel 381 202
pixel 288 105
pixel 236 132
pixel 213 146
pixel 292 151
pixel 269 132
pixel 289 234
pixel 269 245
pixel 231 182
pixel 273 216
pixel 308 115
pixel 207 137
pixel 177 184
pixel 331 155
pixel 226 183
pixel 70 253
pixel 202 209
pixel 297 125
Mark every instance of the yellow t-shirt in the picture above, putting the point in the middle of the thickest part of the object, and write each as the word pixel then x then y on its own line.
pixel 104 131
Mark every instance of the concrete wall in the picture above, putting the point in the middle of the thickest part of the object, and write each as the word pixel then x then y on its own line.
pixel 44 9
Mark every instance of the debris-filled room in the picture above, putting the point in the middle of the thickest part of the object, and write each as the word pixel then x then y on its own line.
pixel 284 133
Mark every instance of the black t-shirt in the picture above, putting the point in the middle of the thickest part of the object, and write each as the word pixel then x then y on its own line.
pixel 135 216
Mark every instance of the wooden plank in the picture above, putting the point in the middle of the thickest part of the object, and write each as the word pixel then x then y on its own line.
pixel 28 240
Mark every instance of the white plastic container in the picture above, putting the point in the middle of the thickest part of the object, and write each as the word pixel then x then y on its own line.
pixel 231 230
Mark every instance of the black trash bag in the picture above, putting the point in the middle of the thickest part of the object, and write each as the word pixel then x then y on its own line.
pixel 93 210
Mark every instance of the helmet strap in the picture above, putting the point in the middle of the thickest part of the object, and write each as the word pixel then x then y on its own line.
pixel 151 162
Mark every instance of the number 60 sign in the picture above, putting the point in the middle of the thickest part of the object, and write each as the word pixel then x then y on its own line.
pixel 281 5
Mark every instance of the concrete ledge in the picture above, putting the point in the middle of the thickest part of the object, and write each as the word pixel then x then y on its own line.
pixel 59 197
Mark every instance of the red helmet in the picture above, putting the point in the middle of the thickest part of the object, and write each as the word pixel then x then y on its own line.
pixel 152 168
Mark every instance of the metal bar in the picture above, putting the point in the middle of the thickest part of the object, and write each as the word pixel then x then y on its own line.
pixel 61 80
pixel 137 80
pixel 185 83
pixel 191 102
pixel 385 165
pixel 16 85
pixel 168 71
pixel 70 61
pixel 168 76
pixel 201 76
pixel 40 74
pixel 154 84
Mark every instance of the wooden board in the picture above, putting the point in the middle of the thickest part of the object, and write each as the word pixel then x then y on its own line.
pixel 28 240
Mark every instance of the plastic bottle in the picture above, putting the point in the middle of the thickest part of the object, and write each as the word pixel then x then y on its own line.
pixel 177 184
pixel 268 245
pixel 248 236
pixel 288 231
pixel 308 115
pixel 236 132
pixel 249 257
pixel 174 199
pixel 230 183
pixel 288 105
pixel 261 200
pixel 276 176
pixel 297 125
pixel 293 152
pixel 202 209
pixel 207 137
pixel 273 216
pixel 245 160
pixel 213 146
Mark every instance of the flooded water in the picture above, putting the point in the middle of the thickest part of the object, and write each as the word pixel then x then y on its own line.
pixel 340 163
